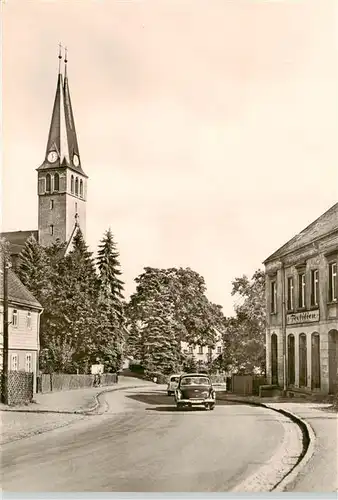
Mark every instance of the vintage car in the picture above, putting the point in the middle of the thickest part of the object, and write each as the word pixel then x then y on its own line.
pixel 195 389
pixel 172 384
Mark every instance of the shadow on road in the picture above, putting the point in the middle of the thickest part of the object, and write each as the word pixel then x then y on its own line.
pixel 162 402
pixel 175 409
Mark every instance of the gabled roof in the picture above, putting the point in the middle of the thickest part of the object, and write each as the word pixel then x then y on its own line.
pixel 17 292
pixel 17 239
pixel 325 224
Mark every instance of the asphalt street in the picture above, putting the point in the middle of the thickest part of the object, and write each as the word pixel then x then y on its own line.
pixel 143 444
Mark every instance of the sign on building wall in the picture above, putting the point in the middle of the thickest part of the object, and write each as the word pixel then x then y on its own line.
pixel 302 317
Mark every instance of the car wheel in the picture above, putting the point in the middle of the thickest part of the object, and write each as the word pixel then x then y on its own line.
pixel 212 407
pixel 169 393
pixel 179 406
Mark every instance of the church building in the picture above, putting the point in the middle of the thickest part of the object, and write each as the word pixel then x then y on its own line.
pixel 61 181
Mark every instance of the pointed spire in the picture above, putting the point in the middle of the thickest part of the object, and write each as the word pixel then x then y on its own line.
pixel 60 57
pixel 70 123
pixel 57 138
pixel 62 138
pixel 66 60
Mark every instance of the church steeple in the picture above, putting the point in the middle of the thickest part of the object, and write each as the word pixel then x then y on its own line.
pixel 62 184
pixel 70 124
pixel 62 146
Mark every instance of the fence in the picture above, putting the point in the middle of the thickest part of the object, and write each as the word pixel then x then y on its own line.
pixel 246 384
pixel 20 387
pixel 55 382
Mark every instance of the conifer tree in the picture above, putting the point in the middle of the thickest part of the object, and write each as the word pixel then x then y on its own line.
pixel 161 351
pixel 34 269
pixel 73 316
pixel 109 274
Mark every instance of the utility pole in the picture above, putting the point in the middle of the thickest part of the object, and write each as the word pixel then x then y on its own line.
pixel 285 382
pixel 6 266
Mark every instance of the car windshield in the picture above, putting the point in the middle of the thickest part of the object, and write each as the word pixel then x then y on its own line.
pixel 174 379
pixel 195 381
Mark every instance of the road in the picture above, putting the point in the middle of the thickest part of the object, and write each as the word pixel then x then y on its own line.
pixel 143 444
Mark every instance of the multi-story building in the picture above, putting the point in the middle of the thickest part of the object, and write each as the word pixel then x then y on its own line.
pixel 23 330
pixel 203 354
pixel 302 308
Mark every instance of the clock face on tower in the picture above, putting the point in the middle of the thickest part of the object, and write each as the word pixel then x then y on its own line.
pixel 76 160
pixel 52 156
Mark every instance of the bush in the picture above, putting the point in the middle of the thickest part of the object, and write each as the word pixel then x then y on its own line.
pixel 136 368
pixel 161 379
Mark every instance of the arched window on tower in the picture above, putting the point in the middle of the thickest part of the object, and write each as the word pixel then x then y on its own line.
pixel 76 186
pixel 48 182
pixel 56 182
pixel 72 184
pixel 81 188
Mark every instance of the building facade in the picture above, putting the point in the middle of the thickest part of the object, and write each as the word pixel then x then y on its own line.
pixel 302 309
pixel 61 181
pixel 203 354
pixel 23 331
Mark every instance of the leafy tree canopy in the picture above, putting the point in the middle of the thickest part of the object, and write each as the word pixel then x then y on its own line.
pixel 244 337
pixel 170 306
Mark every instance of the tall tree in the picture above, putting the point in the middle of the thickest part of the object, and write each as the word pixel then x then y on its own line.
pixel 110 273
pixel 34 269
pixel 244 338
pixel 72 319
pixel 170 306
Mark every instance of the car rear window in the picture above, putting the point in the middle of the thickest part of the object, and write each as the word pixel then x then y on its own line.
pixel 174 379
pixel 195 381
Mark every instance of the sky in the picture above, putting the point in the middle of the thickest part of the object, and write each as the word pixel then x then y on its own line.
pixel 208 128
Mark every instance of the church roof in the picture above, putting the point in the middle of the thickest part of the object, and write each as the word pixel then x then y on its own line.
pixel 62 136
pixel 17 291
pixel 17 239
pixel 325 224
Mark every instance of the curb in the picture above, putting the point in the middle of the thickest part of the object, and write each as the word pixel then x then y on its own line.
pixel 308 442
pixel 90 411
pixel 86 411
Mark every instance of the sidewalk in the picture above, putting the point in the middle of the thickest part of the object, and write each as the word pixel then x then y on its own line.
pixel 320 473
pixel 53 410
pixel 73 401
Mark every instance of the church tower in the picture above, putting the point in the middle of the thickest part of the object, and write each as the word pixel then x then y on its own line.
pixel 62 184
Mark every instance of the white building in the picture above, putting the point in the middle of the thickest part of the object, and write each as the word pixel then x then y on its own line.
pixel 203 354
pixel 23 332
